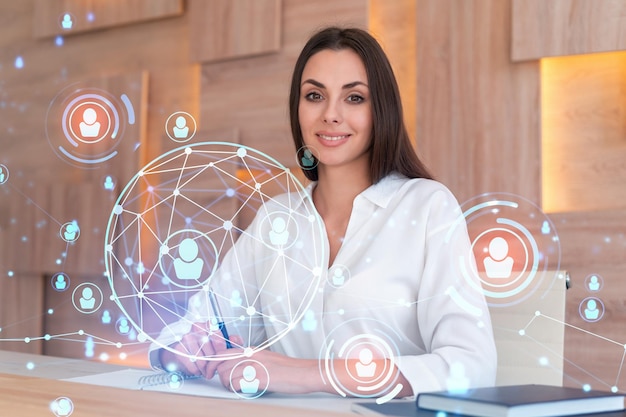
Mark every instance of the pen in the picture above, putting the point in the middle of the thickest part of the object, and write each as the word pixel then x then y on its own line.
pixel 219 318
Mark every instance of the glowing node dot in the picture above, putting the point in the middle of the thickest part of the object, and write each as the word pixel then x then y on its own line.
pixel 50 311
pixel 10 273
pixel 543 361
pixel 140 295
pixel 480 324
pixel 586 387
pixel 251 311
pixel 317 271
pixel 242 318
pixel 164 250
pixel 211 164
pixel 257 186
pixel 247 352
pixel 109 248
pixel 140 173
pixel 27 340
pixel 206 288
pixel 522 332
pixel 112 297
pixel 228 225
pixel 613 388
pixel 280 252
pixel 81 332
pixel 537 313
pixel 176 192
pixel 30 366
pixel 241 152
pixel 118 209
pixel 230 192
pixel 128 261
pixel 142 337
pixel 188 151
pixel 47 337
pixel 441 414
pixel 341 311
pixel 104 357
pixel 123 355
pixel 118 345
pixel 311 218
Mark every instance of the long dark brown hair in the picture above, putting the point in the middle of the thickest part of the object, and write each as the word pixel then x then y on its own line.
pixel 391 148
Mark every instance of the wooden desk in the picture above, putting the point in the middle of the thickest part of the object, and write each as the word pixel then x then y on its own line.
pixel 29 392
pixel 26 396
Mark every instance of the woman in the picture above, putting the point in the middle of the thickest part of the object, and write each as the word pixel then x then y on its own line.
pixel 394 243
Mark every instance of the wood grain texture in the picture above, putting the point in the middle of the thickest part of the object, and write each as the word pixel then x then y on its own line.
pixel 478 125
pixel 584 131
pixel 43 188
pixel 393 23
pixel 594 243
pixel 566 27
pixel 31 397
pixel 227 29
pixel 91 15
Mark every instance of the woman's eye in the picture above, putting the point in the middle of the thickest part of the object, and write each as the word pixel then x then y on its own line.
pixel 355 98
pixel 313 96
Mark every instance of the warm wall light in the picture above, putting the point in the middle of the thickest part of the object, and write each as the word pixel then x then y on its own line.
pixel 583 101
pixel 393 23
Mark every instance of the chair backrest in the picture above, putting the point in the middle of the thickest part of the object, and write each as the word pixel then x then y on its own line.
pixel 530 335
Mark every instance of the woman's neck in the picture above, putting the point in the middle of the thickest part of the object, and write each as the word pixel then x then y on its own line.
pixel 337 188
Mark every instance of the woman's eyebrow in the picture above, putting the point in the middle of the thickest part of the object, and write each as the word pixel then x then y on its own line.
pixel 345 86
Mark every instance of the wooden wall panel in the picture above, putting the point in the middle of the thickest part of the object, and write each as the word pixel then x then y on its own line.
pixel 393 23
pixel 251 94
pixel 567 27
pixel 118 60
pixel 584 132
pixel 478 125
pixel 226 29
pixel 49 15
pixel 594 243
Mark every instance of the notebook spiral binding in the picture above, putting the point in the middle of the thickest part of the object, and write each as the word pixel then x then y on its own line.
pixel 164 378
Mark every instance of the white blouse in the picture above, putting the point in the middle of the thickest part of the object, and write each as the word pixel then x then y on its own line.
pixel 403 276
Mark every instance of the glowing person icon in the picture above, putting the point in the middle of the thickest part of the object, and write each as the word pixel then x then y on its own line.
pixel 71 232
pixel 60 283
pixel 545 227
pixel 89 347
pixel 2 175
pixel 498 264
pixel 87 300
pixel 235 299
pixel 181 130
pixel 594 283
pixel 279 233
pixel 90 126
pixel 64 407
pixel 188 266
pixel 365 367
pixel 307 159
pixel 67 22
pixel 338 277
pixel 309 323
pixel 123 327
pixel 108 183
pixel 249 383
pixel 106 317
pixel 591 311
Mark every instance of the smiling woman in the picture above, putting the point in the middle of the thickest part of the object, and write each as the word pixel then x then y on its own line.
pixel 383 321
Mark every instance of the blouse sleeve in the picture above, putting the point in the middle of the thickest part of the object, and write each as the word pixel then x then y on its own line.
pixel 452 314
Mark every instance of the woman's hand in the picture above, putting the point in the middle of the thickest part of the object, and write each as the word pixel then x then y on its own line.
pixel 192 350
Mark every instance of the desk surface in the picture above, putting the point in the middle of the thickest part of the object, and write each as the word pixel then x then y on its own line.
pixel 29 393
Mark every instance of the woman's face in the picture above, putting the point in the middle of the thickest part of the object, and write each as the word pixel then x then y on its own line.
pixel 335 110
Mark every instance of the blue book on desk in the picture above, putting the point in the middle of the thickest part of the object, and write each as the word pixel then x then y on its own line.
pixel 522 401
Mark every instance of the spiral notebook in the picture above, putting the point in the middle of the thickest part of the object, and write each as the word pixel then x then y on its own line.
pixel 149 380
